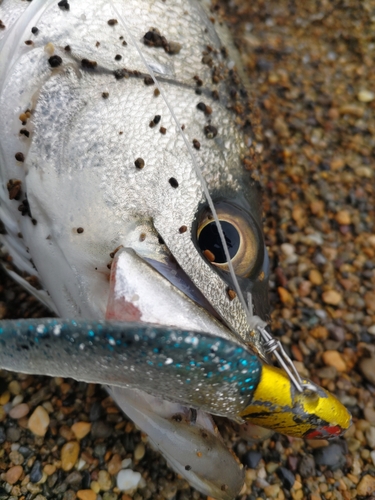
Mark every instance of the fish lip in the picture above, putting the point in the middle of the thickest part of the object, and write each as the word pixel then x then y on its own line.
pixel 171 271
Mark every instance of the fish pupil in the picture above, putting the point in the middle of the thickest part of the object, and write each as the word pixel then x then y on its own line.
pixel 209 239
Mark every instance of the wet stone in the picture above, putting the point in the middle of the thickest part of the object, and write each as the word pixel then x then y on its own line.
pixel 13 474
pixel 39 421
pixel 13 434
pixel 366 486
pixel 69 455
pixel 306 467
pixel 101 429
pixel 96 412
pixel 36 472
pixel 251 459
pixel 104 480
pixel 332 456
pixel 286 476
pixel 16 457
pixel 74 478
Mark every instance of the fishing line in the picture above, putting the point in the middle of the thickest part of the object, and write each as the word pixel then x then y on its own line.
pixel 197 168
pixel 271 345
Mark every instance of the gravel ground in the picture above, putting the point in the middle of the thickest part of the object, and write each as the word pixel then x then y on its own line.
pixel 311 67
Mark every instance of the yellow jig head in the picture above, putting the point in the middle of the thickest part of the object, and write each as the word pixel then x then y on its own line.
pixel 312 414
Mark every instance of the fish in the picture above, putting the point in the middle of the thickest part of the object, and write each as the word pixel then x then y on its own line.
pixel 126 194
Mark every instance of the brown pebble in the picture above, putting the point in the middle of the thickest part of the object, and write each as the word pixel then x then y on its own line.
pixel 366 486
pixel 19 411
pixel 81 429
pixel 182 229
pixel 112 22
pixel 343 217
pixel 115 464
pixel 86 495
pixel 13 474
pixel 334 358
pixel 156 92
pixel 69 455
pixel 39 421
pixel 163 130
pixel 231 294
pixel 285 296
pixel 319 332
pixel 332 297
pixel 80 230
pixel 196 144
pixel 49 469
pixel 315 277
pixel 105 95
pixel 139 163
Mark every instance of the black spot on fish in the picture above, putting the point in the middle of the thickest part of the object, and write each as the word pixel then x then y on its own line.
pixel 64 5
pixel 55 61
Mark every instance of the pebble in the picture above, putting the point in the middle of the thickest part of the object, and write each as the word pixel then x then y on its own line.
pixel 69 455
pixel 286 476
pixel 14 388
pixel 371 330
pixel 272 490
pixel 251 459
pixel 288 249
pixel 370 436
pixel 19 411
pixel 39 421
pixel 306 466
pixel 13 434
pixel 372 455
pixel 16 457
pixel 128 480
pixel 81 429
pixel 86 495
pixel 101 429
pixel 332 456
pixel 343 217
pixel 365 95
pixel 369 414
pixel 334 358
pixel 366 486
pixel 104 480
pixel 36 472
pixel 366 366
pixel 332 297
pixel 13 474
pixel 114 465
pixel 139 451
pixel 315 277
pixel 285 296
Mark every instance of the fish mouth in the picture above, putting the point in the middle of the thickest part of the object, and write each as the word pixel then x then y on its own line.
pixel 147 290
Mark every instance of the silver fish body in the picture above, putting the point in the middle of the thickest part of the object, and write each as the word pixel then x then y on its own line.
pixel 93 161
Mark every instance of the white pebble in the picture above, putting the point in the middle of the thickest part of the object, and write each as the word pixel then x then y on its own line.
pixel 372 454
pixel 288 249
pixel 371 330
pixel 365 96
pixel 128 480
pixel 127 462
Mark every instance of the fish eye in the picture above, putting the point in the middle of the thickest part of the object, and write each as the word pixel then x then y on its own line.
pixel 241 235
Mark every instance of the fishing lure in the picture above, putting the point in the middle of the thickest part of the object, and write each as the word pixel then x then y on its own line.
pixel 125 129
